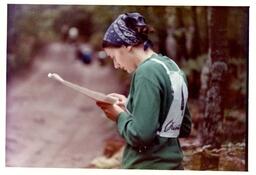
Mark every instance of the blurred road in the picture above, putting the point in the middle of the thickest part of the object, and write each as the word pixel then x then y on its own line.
pixel 50 125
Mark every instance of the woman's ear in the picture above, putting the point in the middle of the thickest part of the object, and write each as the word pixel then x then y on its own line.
pixel 129 48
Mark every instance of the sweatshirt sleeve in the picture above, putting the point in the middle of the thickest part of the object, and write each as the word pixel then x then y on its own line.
pixel 139 127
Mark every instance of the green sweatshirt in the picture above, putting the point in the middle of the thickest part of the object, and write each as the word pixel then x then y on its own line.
pixel 150 99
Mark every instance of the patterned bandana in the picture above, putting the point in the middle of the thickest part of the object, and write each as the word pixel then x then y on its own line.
pixel 122 30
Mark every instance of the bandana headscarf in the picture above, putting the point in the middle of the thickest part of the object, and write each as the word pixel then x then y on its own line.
pixel 128 29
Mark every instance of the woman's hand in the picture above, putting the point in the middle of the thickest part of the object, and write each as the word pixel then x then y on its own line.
pixel 121 99
pixel 111 111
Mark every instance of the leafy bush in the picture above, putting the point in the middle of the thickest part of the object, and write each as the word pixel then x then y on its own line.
pixel 29 28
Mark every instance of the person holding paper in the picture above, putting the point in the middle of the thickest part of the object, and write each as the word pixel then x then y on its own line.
pixel 155 114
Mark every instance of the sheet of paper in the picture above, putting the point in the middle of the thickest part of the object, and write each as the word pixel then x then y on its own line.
pixel 97 96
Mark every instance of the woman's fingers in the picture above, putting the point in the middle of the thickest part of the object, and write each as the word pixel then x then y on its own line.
pixel 121 99
pixel 103 105
pixel 119 96
pixel 111 111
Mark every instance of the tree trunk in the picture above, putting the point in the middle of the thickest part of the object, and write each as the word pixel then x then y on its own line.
pixel 160 26
pixel 195 49
pixel 162 35
pixel 212 131
pixel 205 38
pixel 180 36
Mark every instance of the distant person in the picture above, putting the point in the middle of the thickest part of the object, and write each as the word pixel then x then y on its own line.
pixel 155 114
pixel 84 53
pixel 102 57
pixel 73 33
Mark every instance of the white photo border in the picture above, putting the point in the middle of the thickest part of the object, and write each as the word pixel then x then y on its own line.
pixel 67 171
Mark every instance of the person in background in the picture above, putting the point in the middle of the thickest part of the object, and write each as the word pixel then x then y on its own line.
pixel 84 52
pixel 73 34
pixel 102 56
pixel 155 114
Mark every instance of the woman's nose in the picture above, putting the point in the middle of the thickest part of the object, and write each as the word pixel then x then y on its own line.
pixel 116 65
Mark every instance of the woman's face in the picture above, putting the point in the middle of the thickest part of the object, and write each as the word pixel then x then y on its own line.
pixel 122 58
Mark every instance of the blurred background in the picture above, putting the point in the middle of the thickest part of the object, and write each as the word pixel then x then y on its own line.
pixel 49 125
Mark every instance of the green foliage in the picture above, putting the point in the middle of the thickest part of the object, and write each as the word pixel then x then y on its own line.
pixel 74 16
pixel 237 77
pixel 193 64
pixel 30 28
pixel 36 22
pixel 44 22
pixel 239 74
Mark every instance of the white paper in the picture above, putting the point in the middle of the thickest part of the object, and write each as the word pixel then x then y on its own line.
pixel 97 96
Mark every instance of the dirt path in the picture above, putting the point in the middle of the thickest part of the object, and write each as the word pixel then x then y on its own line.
pixel 49 125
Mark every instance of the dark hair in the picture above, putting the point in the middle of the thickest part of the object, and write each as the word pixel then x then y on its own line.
pixel 106 44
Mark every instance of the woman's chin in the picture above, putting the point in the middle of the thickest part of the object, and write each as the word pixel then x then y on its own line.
pixel 128 70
